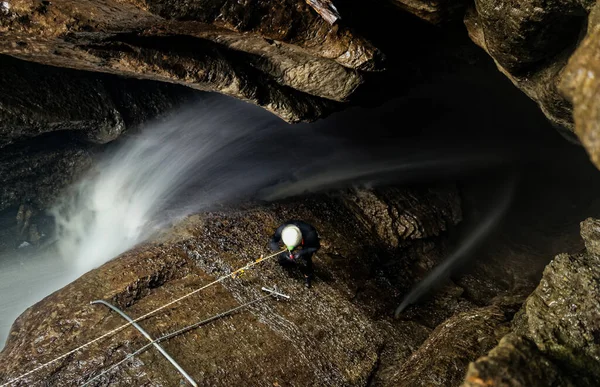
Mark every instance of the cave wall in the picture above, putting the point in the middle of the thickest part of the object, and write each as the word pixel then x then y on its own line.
pixel 286 57
pixel 554 337
pixel 76 75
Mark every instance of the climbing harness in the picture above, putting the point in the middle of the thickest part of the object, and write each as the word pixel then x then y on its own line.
pixel 272 293
pixel 120 328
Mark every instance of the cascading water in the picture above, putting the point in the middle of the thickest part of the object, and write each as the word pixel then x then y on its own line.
pixel 214 152
pixel 190 161
pixel 196 158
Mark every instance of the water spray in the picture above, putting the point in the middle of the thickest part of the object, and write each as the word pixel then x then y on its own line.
pixel 481 232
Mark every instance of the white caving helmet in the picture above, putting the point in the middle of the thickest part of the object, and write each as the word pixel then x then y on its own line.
pixel 291 236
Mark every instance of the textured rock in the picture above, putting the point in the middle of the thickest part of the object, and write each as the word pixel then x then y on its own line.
pixel 531 42
pixel 281 55
pixel 562 317
pixel 590 232
pixel 556 332
pixel 537 45
pixel 330 334
pixel 97 108
pixel 441 359
pixel 521 34
pixel 36 174
pixel 396 217
pixel 516 361
pixel 581 84
pixel 433 11
pixel 52 119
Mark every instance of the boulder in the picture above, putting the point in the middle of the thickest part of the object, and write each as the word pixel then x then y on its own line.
pixel 555 334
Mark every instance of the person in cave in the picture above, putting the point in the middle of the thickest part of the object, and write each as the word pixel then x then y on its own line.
pixel 302 241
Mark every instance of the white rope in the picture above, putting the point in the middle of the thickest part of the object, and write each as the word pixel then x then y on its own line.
pixel 118 329
pixel 176 333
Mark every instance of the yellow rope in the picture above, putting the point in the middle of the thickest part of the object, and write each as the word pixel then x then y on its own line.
pixel 118 329
pixel 173 334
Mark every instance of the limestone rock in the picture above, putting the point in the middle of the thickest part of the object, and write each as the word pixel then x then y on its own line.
pixel 531 42
pixel 281 55
pixel 581 84
pixel 396 217
pixel 37 100
pixel 441 359
pixel 515 362
pixel 555 335
pixel 538 45
pixel 53 119
pixel 562 316
pixel 590 232
pixel 36 175
pixel 326 335
pixel 433 11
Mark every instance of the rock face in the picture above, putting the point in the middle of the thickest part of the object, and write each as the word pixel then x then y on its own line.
pixel 375 245
pixel 432 11
pixel 581 85
pixel 550 50
pixel 285 56
pixel 95 108
pixel 461 337
pixel 280 55
pixel 555 335
pixel 339 332
pixel 36 175
pixel 53 120
pixel 516 362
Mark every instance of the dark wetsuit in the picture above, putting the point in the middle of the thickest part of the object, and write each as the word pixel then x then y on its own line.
pixel 310 244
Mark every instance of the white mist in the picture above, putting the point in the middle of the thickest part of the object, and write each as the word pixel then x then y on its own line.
pixel 216 152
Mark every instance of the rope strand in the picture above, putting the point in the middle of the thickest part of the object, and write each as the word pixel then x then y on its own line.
pixel 118 329
pixel 173 334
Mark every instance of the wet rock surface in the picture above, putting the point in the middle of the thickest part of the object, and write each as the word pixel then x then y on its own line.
pixel 549 50
pixel 461 337
pixel 280 55
pixel 35 174
pixel 94 108
pixel 376 243
pixel 555 333
pixel 581 85
pixel 339 332
pixel 285 56
pixel 53 121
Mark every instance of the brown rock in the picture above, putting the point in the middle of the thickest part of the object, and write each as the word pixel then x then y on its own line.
pixel 330 334
pixel 555 335
pixel 38 100
pixel 590 232
pixel 281 55
pixel 396 217
pixel 52 119
pixel 433 11
pixel 581 84
pixel 531 43
pixel 538 45
pixel 562 316
pixel 515 362
pixel 521 34
pixel 442 358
